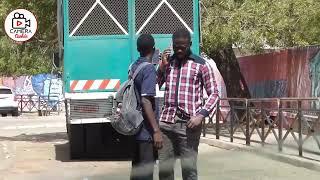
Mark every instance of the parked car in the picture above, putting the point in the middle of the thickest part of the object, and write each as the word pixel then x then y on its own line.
pixel 8 103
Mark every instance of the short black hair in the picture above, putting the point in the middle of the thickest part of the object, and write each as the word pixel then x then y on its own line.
pixel 145 43
pixel 181 33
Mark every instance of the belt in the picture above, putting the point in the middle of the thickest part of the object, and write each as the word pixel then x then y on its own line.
pixel 181 117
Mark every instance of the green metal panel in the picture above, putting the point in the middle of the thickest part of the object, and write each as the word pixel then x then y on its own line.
pixel 95 57
pixel 100 59
pixel 108 56
pixel 132 26
pixel 163 41
pixel 196 24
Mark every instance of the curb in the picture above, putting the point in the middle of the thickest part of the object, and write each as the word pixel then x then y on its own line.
pixel 221 144
pixel 289 159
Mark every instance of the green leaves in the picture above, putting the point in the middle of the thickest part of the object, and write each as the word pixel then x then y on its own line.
pixel 253 25
pixel 248 24
pixel 33 56
pixel 22 59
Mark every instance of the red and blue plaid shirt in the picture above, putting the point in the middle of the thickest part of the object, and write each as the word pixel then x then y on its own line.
pixel 195 76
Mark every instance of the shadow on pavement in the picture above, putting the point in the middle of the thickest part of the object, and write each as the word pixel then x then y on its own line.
pixel 62 152
pixel 48 137
pixel 92 149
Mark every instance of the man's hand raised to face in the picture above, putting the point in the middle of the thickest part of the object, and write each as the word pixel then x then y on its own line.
pixel 165 59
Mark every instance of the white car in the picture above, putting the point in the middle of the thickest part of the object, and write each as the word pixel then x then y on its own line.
pixel 8 103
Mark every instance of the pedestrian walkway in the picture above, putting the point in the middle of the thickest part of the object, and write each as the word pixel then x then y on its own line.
pixel 311 150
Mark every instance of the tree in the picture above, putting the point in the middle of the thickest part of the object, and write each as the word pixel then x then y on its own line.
pixel 35 56
pixel 252 25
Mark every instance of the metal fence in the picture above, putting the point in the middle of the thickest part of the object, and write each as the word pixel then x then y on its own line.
pixel 278 119
pixel 42 104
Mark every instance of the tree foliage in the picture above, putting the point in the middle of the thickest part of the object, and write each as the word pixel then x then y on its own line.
pixel 256 24
pixel 251 26
pixel 248 24
pixel 35 55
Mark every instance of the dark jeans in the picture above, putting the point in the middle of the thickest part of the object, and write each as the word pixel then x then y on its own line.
pixel 179 142
pixel 143 161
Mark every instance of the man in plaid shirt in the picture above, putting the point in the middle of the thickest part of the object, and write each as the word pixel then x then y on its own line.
pixel 185 76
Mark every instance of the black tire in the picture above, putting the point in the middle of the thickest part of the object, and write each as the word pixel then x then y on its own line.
pixel 15 113
pixel 4 115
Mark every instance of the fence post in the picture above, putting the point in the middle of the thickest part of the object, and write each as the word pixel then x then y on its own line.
pixel 300 127
pixel 67 115
pixel 21 103
pixel 280 118
pixel 39 101
pixel 262 111
pixel 58 105
pixel 231 122
pixel 218 120
pixel 247 124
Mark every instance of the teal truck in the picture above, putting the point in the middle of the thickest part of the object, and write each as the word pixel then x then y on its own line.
pixel 97 45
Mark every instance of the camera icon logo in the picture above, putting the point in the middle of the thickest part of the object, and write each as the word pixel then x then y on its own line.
pixel 21 25
pixel 20 22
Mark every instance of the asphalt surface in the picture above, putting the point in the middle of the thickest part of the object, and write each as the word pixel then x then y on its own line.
pixel 36 148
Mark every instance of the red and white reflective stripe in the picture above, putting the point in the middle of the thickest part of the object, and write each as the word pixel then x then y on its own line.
pixel 86 85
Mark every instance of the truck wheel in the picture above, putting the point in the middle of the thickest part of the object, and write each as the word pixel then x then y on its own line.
pixel 4 115
pixel 15 113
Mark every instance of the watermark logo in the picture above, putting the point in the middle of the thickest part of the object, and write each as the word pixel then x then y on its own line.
pixel 20 25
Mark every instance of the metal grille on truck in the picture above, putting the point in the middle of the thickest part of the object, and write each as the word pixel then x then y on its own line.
pixel 93 108
pixel 165 20
pixel 95 19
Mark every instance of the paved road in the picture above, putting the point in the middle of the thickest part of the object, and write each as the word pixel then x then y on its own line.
pixel 33 148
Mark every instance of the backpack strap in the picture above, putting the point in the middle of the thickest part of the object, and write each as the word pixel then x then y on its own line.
pixel 139 68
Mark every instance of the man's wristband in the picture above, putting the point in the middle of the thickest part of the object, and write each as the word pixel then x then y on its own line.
pixel 204 113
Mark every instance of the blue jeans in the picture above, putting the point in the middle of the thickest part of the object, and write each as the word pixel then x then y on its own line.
pixel 179 142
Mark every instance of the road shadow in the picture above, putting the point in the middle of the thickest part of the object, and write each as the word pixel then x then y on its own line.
pixel 38 138
pixel 92 150
pixel 62 152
